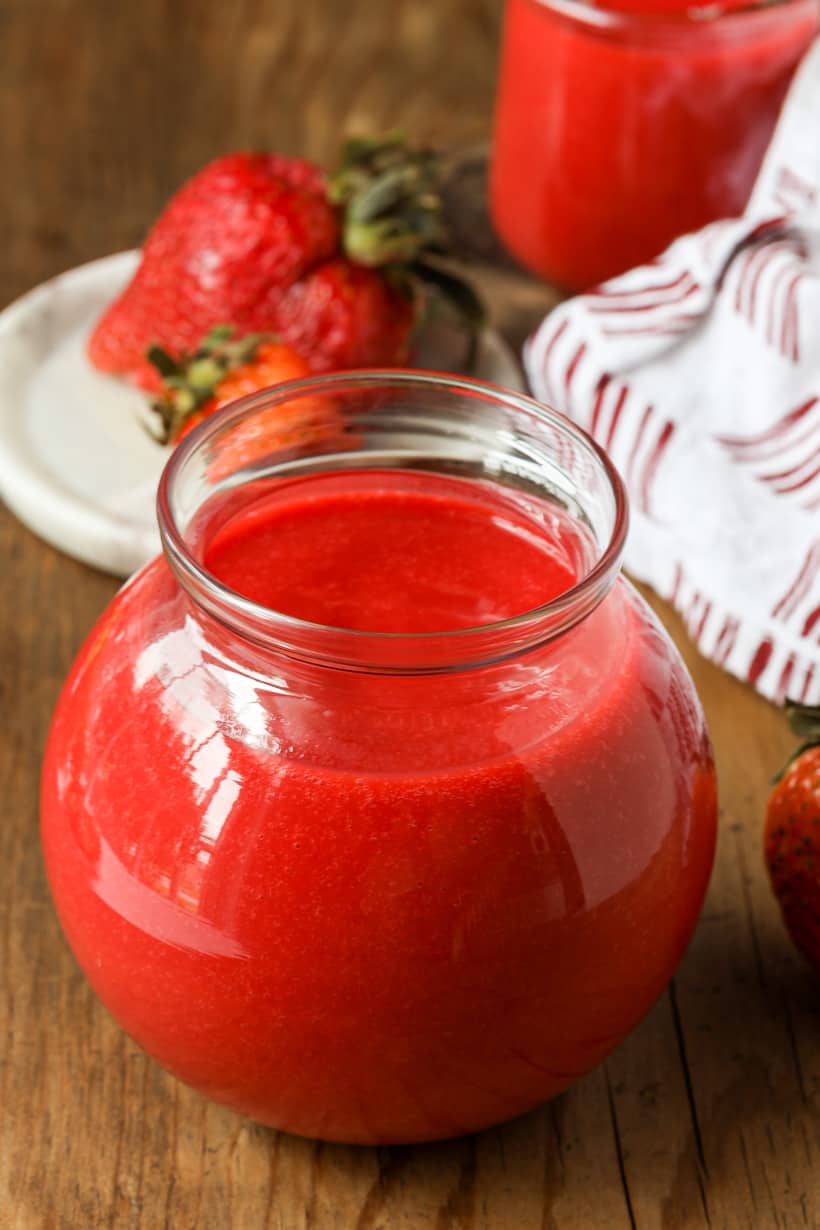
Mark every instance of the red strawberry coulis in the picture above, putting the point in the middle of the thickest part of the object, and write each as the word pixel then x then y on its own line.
pixel 623 125
pixel 365 906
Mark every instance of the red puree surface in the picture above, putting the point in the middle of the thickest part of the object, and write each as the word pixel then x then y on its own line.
pixel 382 558
pixel 611 141
pixel 367 906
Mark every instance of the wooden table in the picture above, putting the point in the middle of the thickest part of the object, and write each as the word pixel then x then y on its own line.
pixel 708 1115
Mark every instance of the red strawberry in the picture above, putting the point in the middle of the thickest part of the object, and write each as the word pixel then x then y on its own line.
pixel 266 245
pixel 792 836
pixel 243 228
pixel 220 370
pixel 345 315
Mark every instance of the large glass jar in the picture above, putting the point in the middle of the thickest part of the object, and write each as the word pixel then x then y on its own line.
pixel 380 886
pixel 623 125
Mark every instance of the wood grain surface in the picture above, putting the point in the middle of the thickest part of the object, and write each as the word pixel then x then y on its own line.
pixel 708 1115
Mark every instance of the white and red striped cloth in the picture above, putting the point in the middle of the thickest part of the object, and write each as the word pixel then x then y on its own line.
pixel 700 376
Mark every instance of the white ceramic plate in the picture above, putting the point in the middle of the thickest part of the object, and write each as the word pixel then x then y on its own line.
pixel 76 465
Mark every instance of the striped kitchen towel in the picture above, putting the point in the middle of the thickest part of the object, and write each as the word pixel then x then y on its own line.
pixel 700 376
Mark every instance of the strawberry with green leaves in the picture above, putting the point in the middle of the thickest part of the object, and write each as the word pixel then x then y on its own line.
pixel 792 835
pixel 341 267
pixel 222 369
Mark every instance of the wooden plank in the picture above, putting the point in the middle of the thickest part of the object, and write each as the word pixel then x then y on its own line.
pixel 758 1132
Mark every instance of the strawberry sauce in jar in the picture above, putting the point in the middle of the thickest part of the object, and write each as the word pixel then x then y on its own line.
pixel 621 126
pixel 380 808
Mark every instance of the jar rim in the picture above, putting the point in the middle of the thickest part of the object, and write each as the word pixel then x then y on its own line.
pixel 607 16
pixel 389 652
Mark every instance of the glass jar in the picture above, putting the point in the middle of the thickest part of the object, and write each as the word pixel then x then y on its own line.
pixel 619 127
pixel 378 886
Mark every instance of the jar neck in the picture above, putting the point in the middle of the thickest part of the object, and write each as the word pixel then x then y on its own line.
pixel 397 421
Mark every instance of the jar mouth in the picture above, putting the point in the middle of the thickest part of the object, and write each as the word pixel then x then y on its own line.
pixel 614 17
pixel 509 420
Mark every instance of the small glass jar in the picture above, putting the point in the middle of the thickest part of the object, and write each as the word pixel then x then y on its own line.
pixel 369 886
pixel 621 126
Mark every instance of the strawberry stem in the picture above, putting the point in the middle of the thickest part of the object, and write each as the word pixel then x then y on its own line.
pixel 805 722
pixel 394 220
pixel 389 193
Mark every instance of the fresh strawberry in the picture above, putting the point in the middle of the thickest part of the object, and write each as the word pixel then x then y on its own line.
pixel 222 369
pixel 244 228
pixel 340 269
pixel 792 836
pixel 345 315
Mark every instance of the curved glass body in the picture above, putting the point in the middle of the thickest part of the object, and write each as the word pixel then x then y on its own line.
pixel 620 127
pixel 380 887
